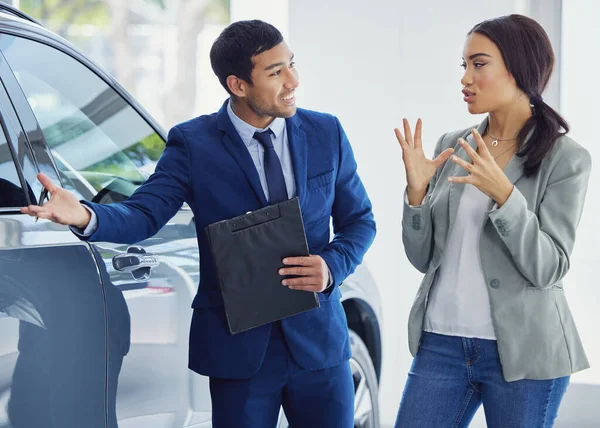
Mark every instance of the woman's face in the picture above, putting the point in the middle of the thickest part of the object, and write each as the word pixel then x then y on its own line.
pixel 487 84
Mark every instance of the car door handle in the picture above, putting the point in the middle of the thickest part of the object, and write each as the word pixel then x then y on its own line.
pixel 136 261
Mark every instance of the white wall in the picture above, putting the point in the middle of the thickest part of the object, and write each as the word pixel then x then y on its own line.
pixel 371 63
pixel 580 97
pixel 274 12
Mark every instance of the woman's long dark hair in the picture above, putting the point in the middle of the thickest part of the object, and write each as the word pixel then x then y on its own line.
pixel 527 53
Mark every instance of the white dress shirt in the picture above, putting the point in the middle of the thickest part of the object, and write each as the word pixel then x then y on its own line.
pixel 280 143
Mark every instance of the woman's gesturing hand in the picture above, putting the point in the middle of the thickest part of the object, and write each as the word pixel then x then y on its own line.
pixel 419 169
pixel 484 172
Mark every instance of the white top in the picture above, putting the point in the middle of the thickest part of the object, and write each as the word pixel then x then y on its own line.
pixel 459 302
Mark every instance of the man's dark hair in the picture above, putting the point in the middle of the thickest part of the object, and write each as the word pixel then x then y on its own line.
pixel 232 52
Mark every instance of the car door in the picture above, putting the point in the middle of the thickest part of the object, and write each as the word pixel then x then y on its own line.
pixel 52 320
pixel 104 147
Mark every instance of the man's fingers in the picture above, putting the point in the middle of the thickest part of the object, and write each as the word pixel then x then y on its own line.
pixel 47 183
pixel 302 281
pixel 312 288
pixel 33 210
pixel 301 261
pixel 46 214
pixel 40 212
pixel 298 270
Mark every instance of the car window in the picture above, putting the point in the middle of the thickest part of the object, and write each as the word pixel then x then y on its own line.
pixel 11 191
pixel 103 147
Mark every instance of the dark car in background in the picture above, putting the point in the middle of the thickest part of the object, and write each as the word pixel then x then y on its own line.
pixel 83 344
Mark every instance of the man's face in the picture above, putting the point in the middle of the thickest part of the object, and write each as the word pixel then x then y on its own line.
pixel 274 82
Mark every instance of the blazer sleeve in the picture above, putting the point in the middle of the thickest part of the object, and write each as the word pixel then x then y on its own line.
pixel 353 222
pixel 541 244
pixel 153 204
pixel 417 225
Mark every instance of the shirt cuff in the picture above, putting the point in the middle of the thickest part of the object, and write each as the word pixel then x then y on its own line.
pixel 90 228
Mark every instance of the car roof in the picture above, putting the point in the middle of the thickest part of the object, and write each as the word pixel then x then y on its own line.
pixel 9 11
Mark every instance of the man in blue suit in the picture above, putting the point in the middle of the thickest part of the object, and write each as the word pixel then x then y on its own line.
pixel 257 150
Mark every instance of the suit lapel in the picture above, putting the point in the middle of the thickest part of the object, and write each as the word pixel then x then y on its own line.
pixel 297 140
pixel 238 150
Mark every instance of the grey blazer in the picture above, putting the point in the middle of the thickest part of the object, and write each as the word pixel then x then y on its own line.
pixel 525 247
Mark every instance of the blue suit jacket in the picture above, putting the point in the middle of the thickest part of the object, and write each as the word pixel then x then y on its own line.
pixel 206 164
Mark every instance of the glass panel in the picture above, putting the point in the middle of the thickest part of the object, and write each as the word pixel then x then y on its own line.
pixel 102 146
pixel 11 192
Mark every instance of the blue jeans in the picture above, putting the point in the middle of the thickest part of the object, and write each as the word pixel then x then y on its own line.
pixel 452 376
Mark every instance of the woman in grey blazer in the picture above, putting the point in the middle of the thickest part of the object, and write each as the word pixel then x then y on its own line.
pixel 493 230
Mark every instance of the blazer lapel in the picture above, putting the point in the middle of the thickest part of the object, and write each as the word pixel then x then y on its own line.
pixel 513 170
pixel 297 140
pixel 456 189
pixel 238 150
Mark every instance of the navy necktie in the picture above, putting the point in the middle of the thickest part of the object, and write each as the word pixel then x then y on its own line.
pixel 273 171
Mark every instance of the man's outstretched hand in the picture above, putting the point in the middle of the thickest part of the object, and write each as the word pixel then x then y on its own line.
pixel 63 207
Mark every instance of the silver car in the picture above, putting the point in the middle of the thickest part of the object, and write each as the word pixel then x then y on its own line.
pixel 85 342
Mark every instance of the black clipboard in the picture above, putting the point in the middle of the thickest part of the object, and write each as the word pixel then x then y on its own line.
pixel 248 251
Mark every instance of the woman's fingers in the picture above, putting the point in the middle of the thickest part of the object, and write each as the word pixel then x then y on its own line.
pixel 462 180
pixel 483 149
pixel 407 132
pixel 418 134
pixel 463 164
pixel 442 157
pixel 401 139
pixel 469 150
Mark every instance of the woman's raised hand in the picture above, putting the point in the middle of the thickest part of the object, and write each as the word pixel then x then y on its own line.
pixel 419 169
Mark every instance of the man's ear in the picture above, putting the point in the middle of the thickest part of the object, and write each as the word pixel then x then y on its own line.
pixel 237 86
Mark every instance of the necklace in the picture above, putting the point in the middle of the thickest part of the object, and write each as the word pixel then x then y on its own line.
pixel 509 147
pixel 495 140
